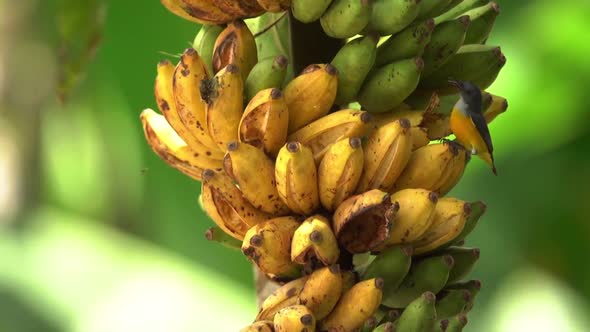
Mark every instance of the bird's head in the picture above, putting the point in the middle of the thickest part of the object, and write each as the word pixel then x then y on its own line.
pixel 470 93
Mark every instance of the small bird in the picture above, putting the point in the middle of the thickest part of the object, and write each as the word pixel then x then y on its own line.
pixel 468 123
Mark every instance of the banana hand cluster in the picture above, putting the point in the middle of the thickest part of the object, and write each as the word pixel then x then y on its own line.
pixel 333 181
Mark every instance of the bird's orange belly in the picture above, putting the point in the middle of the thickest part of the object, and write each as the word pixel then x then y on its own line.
pixel 466 132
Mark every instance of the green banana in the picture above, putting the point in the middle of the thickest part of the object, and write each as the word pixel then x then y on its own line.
pixel 473 286
pixel 308 11
pixel 451 302
pixel 353 61
pixel 457 323
pixel 346 18
pixel 459 9
pixel 419 315
pixel 370 324
pixel 465 259
pixel 432 8
pixel 392 265
pixel 445 41
pixel 482 22
pixel 477 63
pixel 389 85
pixel 477 210
pixel 391 16
pixel 385 327
pixel 407 43
pixel 430 274
pixel 267 73
pixel 218 235
pixel 204 43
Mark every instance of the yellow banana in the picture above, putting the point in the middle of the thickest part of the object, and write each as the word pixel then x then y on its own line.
pixel 285 296
pixel 268 245
pixel 355 306
pixel 340 171
pixel 201 11
pixel 314 239
pixel 449 219
pixel 163 90
pixel 386 154
pixel 265 121
pixel 224 97
pixel 430 167
pixel 261 326
pixel 362 222
pixel 275 6
pixel 254 173
pixel 419 137
pixel 498 106
pixel 414 217
pixel 310 95
pixel 235 45
pixel 349 279
pixel 226 205
pixel 189 73
pixel 453 177
pixel 172 149
pixel 322 133
pixel 322 291
pixel 294 318
pixel 296 178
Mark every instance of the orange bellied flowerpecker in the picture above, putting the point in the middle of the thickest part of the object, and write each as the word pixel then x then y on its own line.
pixel 469 125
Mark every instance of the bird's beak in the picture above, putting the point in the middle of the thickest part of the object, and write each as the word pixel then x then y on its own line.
pixel 454 83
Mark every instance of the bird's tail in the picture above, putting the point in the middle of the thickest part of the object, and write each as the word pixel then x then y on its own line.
pixel 489 159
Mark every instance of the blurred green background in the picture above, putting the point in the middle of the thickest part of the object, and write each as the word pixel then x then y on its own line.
pixel 98 234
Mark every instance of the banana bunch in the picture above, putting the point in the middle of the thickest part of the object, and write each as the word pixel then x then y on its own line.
pixel 333 181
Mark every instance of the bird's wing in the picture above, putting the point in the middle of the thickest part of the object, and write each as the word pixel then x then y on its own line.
pixel 482 127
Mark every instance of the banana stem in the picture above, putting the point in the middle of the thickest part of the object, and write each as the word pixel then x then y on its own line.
pixel 309 44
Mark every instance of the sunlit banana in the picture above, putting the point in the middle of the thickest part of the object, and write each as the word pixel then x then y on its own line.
pixel 265 121
pixel 386 154
pixel 275 6
pixel 498 106
pixel 285 296
pixel 204 44
pixel 419 315
pixel 428 275
pixel 294 318
pixel 268 245
pixel 450 216
pixel 482 22
pixel 189 73
pixel 477 210
pixel 172 149
pixel 459 9
pixel 267 73
pixel 456 173
pixel 314 239
pixel 391 16
pixel 322 133
pixel 414 217
pixel 363 221
pixel 386 87
pixel 224 97
pixel 354 61
pixel 346 18
pixel 431 166
pixel 261 326
pixel 296 178
pixel 322 291
pixel 340 171
pixel 355 306
pixel 254 173
pixel 308 11
pixel 310 95
pixel 407 43
pixel 225 205
pixel 235 45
